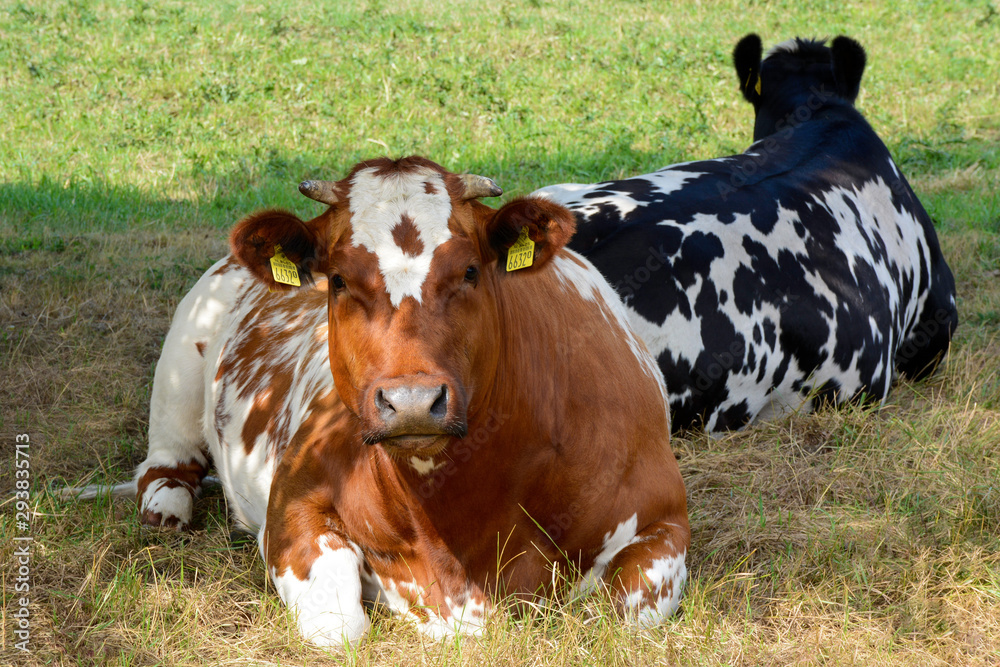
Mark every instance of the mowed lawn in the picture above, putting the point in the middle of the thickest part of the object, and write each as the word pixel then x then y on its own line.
pixel 134 134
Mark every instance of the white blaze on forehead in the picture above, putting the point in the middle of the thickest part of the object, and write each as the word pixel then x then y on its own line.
pixel 379 203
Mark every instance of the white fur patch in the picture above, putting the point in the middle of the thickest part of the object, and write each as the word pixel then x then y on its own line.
pixel 247 468
pixel 424 466
pixel 465 617
pixel 328 603
pixel 378 204
pixel 178 398
pixel 168 502
pixel 788 46
pixel 623 535
pixel 589 199
pixel 665 579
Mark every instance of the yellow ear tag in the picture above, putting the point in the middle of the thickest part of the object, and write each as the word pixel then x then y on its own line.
pixel 283 270
pixel 757 87
pixel 522 253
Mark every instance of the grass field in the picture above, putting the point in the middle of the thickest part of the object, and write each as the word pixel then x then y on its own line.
pixel 134 134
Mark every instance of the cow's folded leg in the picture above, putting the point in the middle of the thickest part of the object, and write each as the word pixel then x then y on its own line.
pixel 168 481
pixel 647 577
pixel 170 477
pixel 319 578
pixel 165 493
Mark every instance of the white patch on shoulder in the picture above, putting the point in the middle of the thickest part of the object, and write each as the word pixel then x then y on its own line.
pixel 590 198
pixel 577 271
pixel 328 603
pixel 247 468
pixel 378 204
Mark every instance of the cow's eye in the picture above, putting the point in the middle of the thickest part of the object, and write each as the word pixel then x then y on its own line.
pixel 338 282
pixel 472 275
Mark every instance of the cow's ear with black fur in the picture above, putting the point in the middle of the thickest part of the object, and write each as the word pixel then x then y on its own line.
pixel 848 66
pixel 746 60
pixel 549 226
pixel 254 239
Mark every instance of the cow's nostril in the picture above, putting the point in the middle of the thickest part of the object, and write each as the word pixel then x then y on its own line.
pixel 382 404
pixel 439 409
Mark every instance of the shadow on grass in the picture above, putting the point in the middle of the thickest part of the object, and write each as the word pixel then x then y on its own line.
pixel 46 208
pixel 956 169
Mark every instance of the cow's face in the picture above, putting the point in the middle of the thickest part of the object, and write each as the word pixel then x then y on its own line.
pixel 414 287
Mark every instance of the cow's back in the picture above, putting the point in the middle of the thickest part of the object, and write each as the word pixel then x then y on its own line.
pixel 794 270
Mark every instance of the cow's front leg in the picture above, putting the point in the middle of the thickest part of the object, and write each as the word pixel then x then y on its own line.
pixel 319 577
pixel 647 575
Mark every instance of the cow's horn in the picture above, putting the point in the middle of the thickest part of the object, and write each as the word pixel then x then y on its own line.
pixel 321 191
pixel 480 186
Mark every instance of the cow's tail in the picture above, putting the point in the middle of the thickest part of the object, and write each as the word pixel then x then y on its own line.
pixel 124 490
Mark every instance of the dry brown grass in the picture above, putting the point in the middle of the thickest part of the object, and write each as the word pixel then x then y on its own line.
pixel 83 320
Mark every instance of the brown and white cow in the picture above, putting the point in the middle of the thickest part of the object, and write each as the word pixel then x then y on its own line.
pixel 480 427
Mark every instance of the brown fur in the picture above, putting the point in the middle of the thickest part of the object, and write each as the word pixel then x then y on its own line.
pixel 567 434
pixel 405 236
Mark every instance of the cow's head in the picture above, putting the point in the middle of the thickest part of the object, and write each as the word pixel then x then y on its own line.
pixel 796 78
pixel 411 262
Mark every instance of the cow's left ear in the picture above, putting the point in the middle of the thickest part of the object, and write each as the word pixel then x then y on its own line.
pixel 547 224
pixel 848 66
pixel 272 235
pixel 746 60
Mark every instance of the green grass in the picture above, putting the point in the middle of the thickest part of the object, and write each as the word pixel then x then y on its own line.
pixel 134 134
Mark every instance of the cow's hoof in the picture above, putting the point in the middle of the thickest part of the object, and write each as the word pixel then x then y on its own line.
pixel 155 520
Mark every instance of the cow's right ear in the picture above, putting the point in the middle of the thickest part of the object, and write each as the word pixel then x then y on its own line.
pixel 254 240
pixel 746 60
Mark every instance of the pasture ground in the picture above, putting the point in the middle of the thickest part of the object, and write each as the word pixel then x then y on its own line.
pixel 134 133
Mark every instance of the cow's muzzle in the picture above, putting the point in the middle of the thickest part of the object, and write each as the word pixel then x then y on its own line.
pixel 414 413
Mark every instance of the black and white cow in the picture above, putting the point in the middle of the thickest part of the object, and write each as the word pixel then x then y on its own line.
pixel 802 271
